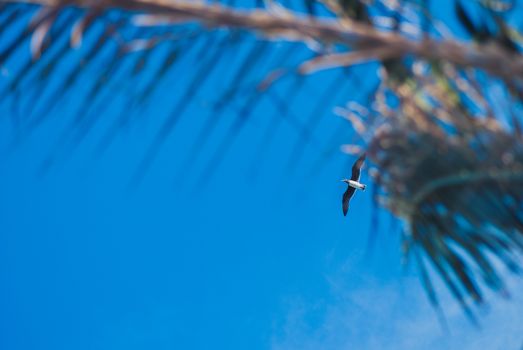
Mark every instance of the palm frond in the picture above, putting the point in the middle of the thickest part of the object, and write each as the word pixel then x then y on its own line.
pixel 448 159
pixel 457 182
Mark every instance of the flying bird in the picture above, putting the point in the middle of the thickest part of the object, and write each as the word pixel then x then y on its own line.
pixel 353 183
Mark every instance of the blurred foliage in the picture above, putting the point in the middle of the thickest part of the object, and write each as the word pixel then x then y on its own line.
pixel 441 127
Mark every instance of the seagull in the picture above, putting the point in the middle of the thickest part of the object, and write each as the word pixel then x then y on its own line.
pixel 353 183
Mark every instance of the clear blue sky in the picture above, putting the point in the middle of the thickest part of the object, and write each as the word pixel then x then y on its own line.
pixel 240 260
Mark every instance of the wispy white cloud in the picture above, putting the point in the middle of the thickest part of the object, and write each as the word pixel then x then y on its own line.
pixel 366 313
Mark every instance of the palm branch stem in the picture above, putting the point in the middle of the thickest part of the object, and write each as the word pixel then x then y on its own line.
pixel 292 26
pixel 464 178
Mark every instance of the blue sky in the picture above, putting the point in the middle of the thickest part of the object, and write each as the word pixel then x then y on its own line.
pixel 236 260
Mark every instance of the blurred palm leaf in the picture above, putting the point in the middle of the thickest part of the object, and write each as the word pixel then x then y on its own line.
pixel 433 127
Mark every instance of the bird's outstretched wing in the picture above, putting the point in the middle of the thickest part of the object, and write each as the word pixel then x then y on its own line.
pixel 356 168
pixel 346 198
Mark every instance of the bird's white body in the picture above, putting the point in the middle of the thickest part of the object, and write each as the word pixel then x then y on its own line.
pixel 356 185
